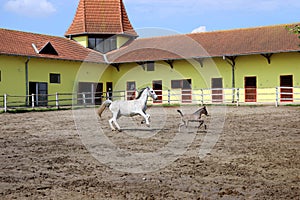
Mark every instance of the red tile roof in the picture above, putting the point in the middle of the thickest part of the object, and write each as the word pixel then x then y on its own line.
pixel 100 17
pixel 29 44
pixel 259 40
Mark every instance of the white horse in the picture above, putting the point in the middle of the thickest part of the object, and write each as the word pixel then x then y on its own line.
pixel 128 108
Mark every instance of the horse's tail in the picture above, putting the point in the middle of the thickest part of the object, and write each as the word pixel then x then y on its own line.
pixel 180 113
pixel 103 106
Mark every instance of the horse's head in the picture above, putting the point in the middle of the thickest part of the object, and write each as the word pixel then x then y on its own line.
pixel 152 93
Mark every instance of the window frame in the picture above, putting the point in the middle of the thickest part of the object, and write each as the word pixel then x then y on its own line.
pixel 55 78
pixel 150 66
pixel 102 44
pixel 185 84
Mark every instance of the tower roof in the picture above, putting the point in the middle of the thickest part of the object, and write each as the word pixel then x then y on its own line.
pixel 100 17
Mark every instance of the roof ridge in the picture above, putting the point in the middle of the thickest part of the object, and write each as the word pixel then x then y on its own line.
pixel 216 31
pixel 162 36
pixel 121 15
pixel 33 33
pixel 246 28
pixel 84 16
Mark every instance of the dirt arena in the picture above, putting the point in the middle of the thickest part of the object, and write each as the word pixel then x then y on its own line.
pixel 256 156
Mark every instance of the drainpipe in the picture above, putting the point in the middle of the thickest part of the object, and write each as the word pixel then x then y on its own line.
pixel 26 81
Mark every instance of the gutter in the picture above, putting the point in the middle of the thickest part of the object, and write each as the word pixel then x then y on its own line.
pixel 50 58
pixel 105 59
pixel 27 81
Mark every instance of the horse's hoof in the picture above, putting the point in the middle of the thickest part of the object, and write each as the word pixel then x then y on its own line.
pixel 148 125
pixel 120 130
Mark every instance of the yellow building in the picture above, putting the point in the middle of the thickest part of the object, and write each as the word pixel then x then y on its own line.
pixel 104 54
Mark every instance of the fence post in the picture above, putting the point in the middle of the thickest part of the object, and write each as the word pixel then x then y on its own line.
pixel 169 97
pixel 277 97
pixel 84 99
pixel 5 102
pixel 202 97
pixel 32 100
pixel 238 97
pixel 57 100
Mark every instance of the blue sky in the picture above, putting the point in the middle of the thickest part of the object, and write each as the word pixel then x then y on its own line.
pixel 53 17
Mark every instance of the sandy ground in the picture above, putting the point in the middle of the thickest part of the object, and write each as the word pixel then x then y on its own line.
pixel 256 155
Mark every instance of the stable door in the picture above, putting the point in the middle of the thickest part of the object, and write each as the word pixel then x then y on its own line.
pixel 286 88
pixel 157 87
pixel 90 93
pixel 217 90
pixel 40 91
pixel 250 89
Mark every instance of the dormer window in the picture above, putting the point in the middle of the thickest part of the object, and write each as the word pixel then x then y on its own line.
pixel 102 44
pixel 46 49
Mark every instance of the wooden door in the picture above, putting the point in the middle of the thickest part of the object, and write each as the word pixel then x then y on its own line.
pixel 130 90
pixel 109 90
pixel 186 94
pixel 157 87
pixel 98 93
pixel 286 88
pixel 40 89
pixel 92 92
pixel 250 89
pixel 217 90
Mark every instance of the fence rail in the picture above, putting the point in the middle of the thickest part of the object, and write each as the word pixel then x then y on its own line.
pixel 238 96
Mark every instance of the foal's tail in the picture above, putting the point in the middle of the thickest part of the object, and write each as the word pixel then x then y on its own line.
pixel 180 113
pixel 103 106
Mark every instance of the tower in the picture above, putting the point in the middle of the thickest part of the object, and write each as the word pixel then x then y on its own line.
pixel 102 25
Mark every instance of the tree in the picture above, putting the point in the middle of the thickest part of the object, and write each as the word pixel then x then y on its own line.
pixel 295 29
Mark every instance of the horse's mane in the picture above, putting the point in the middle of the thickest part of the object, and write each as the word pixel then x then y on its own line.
pixel 140 93
pixel 198 111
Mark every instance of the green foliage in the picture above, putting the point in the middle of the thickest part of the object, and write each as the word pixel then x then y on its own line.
pixel 294 30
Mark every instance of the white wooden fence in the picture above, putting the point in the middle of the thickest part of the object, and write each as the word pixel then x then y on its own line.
pixel 236 96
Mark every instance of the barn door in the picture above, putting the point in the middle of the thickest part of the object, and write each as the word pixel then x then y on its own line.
pixel 157 87
pixel 40 90
pixel 286 88
pixel 186 91
pixel 130 90
pixel 250 89
pixel 98 93
pixel 109 90
pixel 217 90
pixel 91 91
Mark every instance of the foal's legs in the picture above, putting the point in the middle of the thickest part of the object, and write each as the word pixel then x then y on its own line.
pixel 201 123
pixel 182 123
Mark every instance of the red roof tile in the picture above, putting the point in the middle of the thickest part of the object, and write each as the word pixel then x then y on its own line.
pixel 100 17
pixel 23 44
pixel 259 40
